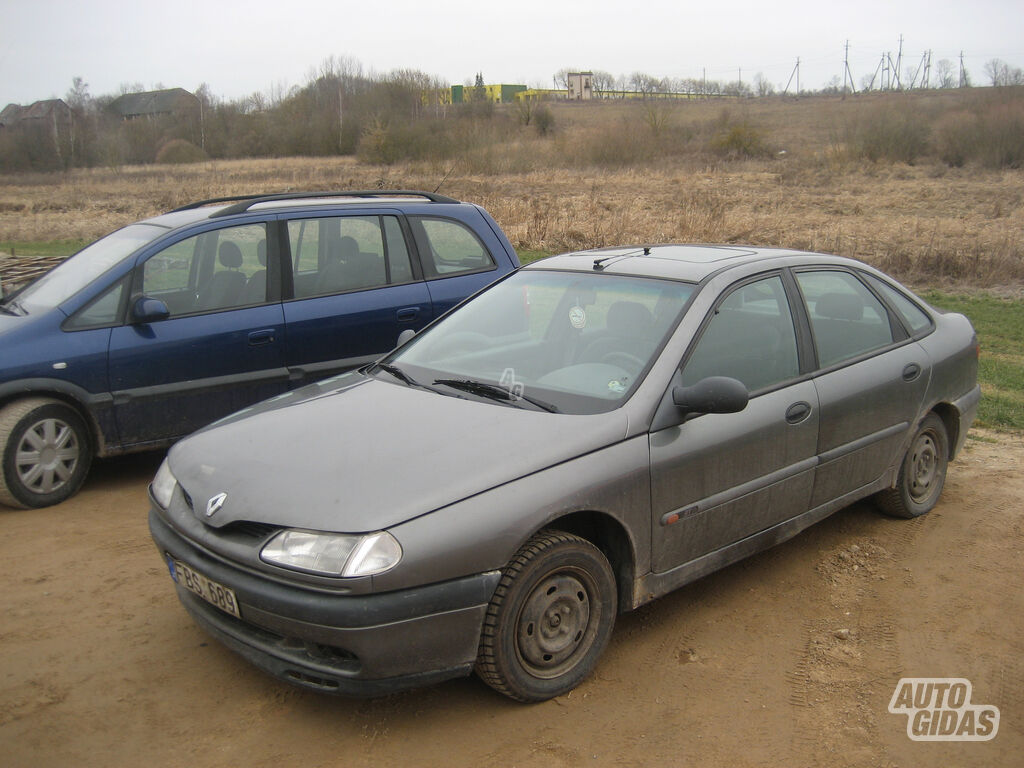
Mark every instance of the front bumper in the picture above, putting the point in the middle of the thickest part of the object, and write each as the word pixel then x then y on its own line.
pixel 357 645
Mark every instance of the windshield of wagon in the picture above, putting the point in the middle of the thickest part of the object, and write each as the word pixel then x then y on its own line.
pixel 70 276
pixel 567 342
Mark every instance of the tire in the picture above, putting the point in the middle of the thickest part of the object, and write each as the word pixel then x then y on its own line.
pixel 566 583
pixel 46 452
pixel 922 473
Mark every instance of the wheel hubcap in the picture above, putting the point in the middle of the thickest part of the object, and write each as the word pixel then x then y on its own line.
pixel 47 455
pixel 924 467
pixel 553 625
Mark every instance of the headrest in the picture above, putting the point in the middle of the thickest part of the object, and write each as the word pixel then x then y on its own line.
pixel 630 318
pixel 230 255
pixel 839 306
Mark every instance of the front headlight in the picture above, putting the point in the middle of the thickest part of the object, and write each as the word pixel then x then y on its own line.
pixel 163 485
pixel 333 554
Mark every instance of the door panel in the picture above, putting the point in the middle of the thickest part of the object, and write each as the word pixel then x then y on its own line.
pixel 169 378
pixel 866 411
pixel 721 477
pixel 869 404
pixel 330 334
pixel 728 476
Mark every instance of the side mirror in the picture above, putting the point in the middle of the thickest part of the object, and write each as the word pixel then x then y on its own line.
pixel 404 336
pixel 147 310
pixel 715 394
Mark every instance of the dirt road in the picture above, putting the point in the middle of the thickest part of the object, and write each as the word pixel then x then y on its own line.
pixel 100 666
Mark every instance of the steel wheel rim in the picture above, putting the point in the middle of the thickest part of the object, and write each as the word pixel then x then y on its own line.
pixel 47 456
pixel 923 467
pixel 555 626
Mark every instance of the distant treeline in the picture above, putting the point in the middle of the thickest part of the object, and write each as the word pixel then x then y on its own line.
pixel 338 111
pixel 403 116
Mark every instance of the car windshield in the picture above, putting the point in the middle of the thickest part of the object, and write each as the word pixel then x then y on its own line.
pixel 569 342
pixel 67 278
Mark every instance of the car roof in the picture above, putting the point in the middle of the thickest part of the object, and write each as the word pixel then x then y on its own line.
pixel 690 263
pixel 224 207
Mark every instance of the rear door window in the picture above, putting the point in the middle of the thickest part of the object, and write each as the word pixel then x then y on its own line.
pixel 338 254
pixel 846 318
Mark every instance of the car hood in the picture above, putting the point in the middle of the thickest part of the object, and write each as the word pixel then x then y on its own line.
pixel 364 454
pixel 9 322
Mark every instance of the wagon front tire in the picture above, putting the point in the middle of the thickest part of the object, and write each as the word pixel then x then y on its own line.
pixel 549 619
pixel 46 452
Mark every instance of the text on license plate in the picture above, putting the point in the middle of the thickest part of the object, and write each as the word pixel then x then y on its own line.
pixel 208 589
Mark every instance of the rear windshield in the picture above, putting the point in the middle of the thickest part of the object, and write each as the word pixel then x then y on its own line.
pixel 70 276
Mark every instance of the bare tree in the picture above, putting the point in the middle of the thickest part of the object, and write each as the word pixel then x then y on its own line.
pixel 1001 73
pixel 602 82
pixel 644 83
pixel 945 74
pixel 762 86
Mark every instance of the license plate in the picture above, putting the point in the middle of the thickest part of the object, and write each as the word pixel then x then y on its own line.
pixel 208 589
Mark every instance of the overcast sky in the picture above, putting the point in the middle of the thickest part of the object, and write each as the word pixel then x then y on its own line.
pixel 259 45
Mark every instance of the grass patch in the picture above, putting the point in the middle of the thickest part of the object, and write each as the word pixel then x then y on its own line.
pixel 1000 326
pixel 41 247
pixel 528 256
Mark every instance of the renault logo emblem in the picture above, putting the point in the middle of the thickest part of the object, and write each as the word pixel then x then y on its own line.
pixel 214 504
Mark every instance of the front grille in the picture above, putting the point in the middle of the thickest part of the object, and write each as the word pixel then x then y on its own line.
pixel 250 529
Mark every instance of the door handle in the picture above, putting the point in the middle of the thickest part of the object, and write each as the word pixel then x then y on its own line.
pixel 911 371
pixel 258 338
pixel 797 412
pixel 408 314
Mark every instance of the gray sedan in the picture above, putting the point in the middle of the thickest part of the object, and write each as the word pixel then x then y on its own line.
pixel 593 431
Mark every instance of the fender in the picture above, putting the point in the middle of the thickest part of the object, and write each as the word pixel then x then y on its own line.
pixel 96 408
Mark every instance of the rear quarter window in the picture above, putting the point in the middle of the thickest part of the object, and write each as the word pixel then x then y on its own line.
pixel 448 247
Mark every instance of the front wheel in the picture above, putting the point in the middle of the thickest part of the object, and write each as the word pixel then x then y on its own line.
pixel 46 452
pixel 922 473
pixel 550 618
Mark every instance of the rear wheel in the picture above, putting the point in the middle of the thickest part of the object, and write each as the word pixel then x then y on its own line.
pixel 922 473
pixel 46 452
pixel 550 618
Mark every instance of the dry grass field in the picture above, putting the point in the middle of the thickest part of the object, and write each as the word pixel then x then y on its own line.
pixel 928 223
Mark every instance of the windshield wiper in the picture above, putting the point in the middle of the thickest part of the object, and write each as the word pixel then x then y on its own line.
pixel 398 373
pixel 495 392
pixel 11 307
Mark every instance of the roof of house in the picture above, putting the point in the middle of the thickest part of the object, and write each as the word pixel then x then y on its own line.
pixel 154 102
pixel 14 113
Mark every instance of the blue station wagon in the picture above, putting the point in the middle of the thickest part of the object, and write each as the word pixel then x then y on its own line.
pixel 173 322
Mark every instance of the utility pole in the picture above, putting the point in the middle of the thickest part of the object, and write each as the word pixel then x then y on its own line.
pixel 899 63
pixel 846 70
pixel 878 69
pixel 796 72
pixel 964 80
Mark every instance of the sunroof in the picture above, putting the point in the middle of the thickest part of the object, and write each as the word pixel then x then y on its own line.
pixel 698 254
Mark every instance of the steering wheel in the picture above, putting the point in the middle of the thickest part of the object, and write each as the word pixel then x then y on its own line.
pixel 630 363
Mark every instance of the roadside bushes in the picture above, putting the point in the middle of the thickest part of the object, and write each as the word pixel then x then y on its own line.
pixel 992 136
pixel 178 151
pixel 896 132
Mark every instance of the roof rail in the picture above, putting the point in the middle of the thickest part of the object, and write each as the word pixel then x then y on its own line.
pixel 245 202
